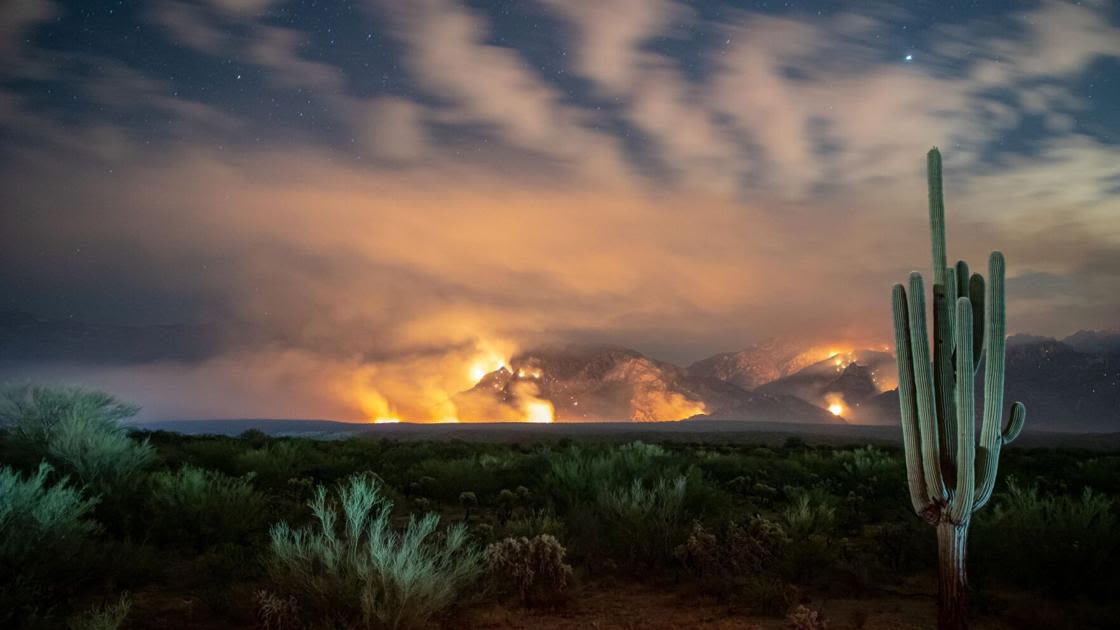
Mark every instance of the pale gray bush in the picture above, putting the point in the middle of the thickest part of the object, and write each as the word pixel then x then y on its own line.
pixel 44 542
pixel 40 523
pixel 350 567
pixel 76 429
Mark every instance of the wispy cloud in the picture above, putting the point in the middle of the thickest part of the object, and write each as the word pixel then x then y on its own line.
pixel 676 180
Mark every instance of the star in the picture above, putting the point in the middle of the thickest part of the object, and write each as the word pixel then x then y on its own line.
pixel 909 57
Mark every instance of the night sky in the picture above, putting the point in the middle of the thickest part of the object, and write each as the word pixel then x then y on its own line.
pixel 370 196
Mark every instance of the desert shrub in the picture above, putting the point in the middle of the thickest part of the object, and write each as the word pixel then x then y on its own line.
pixel 535 523
pixel 765 595
pixel 810 521
pixel 725 562
pixel 32 413
pixel 77 430
pixel 197 507
pixel 811 512
pixel 736 551
pixel 643 519
pixel 446 480
pixel 903 544
pixel 1063 544
pixel 805 618
pixel 280 460
pixel 43 536
pixel 534 568
pixel 868 462
pixel 468 500
pixel 629 502
pixel 577 476
pixel 109 616
pixel 351 568
pixel 275 612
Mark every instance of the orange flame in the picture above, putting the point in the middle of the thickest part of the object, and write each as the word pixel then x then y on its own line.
pixel 836 404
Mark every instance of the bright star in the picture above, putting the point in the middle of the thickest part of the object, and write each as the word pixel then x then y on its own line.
pixel 909 57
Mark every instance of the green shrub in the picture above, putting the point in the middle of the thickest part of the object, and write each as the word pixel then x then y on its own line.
pixel 644 519
pixel 44 530
pixel 766 595
pixel 197 507
pixel 810 521
pixel 577 476
pixel 351 568
pixel 107 617
pixel 77 430
pixel 279 461
pixel 811 512
pixel 1062 544
pixel 36 517
pixel 534 524
pixel 533 568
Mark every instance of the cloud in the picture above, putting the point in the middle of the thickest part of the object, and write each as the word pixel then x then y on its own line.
pixel 607 49
pixel 769 182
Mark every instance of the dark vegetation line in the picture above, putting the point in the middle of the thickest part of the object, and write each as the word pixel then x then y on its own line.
pixel 101 527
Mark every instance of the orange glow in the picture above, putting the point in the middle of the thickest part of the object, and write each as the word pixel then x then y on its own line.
pixel 836 409
pixel 386 420
pixel 490 359
pixel 539 411
pixel 836 404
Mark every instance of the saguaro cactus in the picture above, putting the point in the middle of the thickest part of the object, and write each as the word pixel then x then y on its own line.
pixel 949 477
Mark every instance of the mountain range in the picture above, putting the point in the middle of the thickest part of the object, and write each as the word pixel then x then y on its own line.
pixel 1069 384
pixel 1072 384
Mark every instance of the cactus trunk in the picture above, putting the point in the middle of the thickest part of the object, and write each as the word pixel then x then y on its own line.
pixel 952 591
pixel 951 476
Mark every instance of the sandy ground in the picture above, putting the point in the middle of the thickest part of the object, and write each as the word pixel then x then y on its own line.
pixel 640 606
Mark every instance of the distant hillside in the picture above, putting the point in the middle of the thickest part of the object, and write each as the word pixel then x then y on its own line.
pixel 760 363
pixel 729 432
pixel 1064 389
pixel 302 428
pixel 1072 384
pixel 849 378
pixel 595 383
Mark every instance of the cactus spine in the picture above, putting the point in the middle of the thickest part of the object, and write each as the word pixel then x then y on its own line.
pixel 949 477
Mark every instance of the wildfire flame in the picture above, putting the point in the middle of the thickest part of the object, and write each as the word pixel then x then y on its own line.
pixel 836 404
pixel 539 411
pixel 432 388
pixel 485 365
pixel 426 390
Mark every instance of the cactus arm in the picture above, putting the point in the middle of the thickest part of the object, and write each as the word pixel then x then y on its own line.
pixel 924 393
pixel 943 378
pixel 963 276
pixel 1015 424
pixel 976 296
pixel 951 295
pixel 943 304
pixel 961 506
pixel 994 345
pixel 936 214
pixel 911 441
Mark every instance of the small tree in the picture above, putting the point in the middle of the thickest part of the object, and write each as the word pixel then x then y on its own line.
pixel 77 430
pixel 468 500
pixel 938 399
